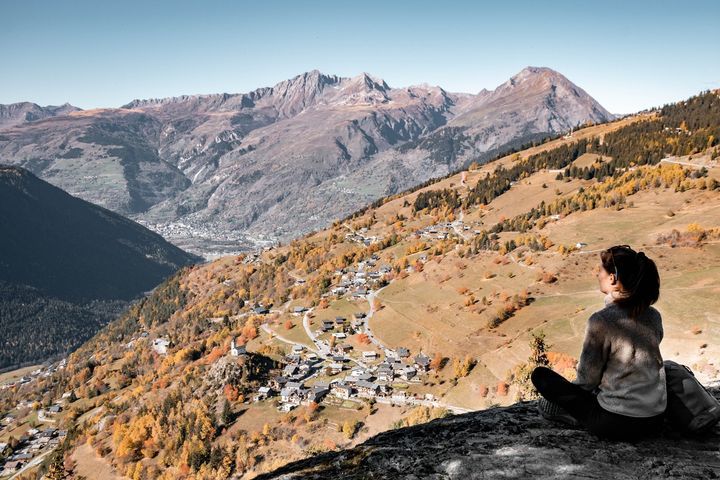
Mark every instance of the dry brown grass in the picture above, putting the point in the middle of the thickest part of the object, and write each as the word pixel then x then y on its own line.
pixel 89 465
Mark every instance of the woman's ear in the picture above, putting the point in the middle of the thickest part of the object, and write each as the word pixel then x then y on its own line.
pixel 613 280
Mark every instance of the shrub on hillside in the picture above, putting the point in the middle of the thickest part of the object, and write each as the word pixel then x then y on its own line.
pixel 546 277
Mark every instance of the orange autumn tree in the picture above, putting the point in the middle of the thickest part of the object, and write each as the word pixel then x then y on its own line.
pixel 249 331
pixel 437 362
pixel 231 392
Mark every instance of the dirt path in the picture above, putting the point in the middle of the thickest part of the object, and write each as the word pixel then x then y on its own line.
pixel 520 264
pixel 266 328
pixel 678 162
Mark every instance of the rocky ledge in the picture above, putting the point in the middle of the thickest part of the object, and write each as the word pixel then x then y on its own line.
pixel 512 442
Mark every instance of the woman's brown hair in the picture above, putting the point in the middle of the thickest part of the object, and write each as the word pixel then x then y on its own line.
pixel 638 276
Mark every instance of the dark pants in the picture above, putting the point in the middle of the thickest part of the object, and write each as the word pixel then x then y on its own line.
pixel 584 407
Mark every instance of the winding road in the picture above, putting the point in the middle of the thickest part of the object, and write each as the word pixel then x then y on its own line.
pixel 323 351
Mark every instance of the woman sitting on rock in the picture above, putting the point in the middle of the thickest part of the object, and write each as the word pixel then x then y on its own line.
pixel 620 387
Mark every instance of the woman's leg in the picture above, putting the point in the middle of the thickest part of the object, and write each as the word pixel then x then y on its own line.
pixel 584 407
pixel 576 401
pixel 620 427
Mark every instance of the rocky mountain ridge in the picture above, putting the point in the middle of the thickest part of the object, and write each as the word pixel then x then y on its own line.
pixel 22 112
pixel 281 161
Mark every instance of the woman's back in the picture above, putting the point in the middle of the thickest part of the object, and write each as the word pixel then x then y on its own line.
pixel 621 357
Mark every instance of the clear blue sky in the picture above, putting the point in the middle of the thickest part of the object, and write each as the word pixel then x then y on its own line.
pixel 629 55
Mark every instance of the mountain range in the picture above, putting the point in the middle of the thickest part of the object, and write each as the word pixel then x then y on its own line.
pixel 227 171
pixel 23 112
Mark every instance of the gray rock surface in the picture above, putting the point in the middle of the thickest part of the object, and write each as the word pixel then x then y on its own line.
pixel 512 442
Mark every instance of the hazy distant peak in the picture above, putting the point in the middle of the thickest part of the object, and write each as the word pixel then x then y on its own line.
pixel 425 86
pixel 363 89
pixel 425 89
pixel 530 70
pixel 65 107
pixel 23 112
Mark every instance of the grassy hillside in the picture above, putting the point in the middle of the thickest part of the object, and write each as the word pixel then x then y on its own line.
pixel 463 270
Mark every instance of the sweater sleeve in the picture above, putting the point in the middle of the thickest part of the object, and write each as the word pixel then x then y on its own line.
pixel 594 354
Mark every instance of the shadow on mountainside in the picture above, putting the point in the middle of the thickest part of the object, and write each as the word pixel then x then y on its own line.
pixel 512 442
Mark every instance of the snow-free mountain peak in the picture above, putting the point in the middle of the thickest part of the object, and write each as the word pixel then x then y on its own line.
pixel 23 112
pixel 285 159
pixel 549 100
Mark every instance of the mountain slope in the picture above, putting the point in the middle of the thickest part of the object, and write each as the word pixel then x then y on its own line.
pixel 535 104
pixel 67 267
pixel 37 327
pixel 283 160
pixel 107 157
pixel 74 250
pixel 550 101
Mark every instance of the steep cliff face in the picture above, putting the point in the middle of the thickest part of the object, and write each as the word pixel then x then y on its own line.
pixel 512 442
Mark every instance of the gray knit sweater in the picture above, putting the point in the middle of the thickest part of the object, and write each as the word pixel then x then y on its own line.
pixel 621 357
